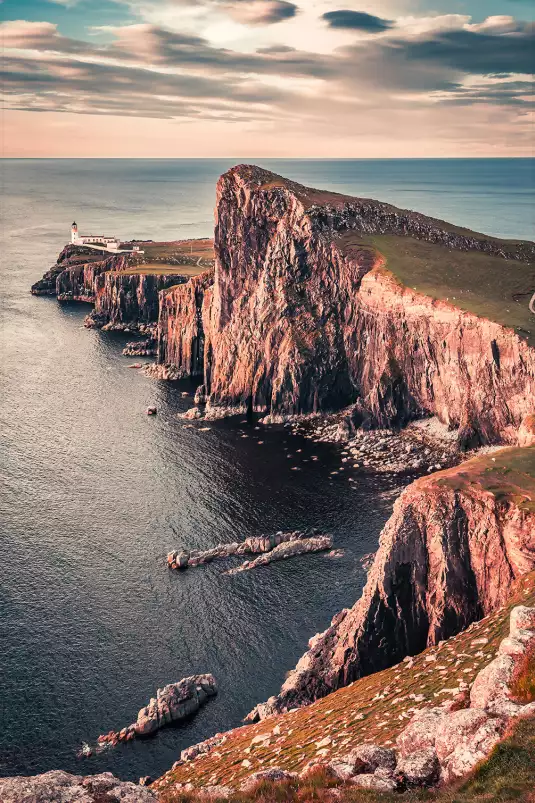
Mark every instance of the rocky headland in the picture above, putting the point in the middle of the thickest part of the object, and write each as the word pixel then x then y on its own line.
pixel 305 314
pixel 350 319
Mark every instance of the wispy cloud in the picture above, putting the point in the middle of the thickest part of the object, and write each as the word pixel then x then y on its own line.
pixel 402 75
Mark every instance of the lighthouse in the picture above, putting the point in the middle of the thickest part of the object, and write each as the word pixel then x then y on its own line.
pixel 74 232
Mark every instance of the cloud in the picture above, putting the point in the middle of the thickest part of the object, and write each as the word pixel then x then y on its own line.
pixel 356 21
pixel 38 36
pixel 260 12
pixel 406 79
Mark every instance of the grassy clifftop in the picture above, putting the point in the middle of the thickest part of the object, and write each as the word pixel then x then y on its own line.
pixel 485 285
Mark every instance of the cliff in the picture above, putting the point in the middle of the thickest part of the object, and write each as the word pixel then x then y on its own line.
pixel 447 557
pixel 77 282
pixel 70 256
pixel 180 327
pixel 305 314
pixel 124 297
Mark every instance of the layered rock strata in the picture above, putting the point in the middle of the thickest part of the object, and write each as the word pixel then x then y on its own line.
pixel 446 558
pixel 251 546
pixel 173 703
pixel 295 323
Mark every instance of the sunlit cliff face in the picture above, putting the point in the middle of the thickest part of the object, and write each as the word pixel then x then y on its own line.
pixel 265 78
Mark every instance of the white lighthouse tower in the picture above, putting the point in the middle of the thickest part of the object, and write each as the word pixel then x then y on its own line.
pixel 74 232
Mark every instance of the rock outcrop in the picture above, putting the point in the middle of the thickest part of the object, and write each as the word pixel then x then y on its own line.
pixel 255 545
pixel 447 557
pixel 78 282
pixel 62 787
pixel 296 322
pixel 173 703
pixel 71 256
pixel 290 549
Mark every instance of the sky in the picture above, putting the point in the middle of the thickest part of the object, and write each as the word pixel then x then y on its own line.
pixel 267 78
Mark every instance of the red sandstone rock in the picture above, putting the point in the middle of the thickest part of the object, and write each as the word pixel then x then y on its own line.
pixel 446 558
pixel 294 324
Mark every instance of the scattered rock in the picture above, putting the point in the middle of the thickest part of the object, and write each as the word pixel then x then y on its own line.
pixel 62 787
pixel 273 775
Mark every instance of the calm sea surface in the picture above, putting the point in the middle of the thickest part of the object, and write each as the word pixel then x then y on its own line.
pixel 95 493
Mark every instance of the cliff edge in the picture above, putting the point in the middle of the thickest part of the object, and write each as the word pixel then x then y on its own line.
pixel 313 308
pixel 447 557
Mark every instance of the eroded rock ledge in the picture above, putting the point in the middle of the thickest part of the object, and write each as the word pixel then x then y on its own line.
pixel 271 547
pixel 173 703
pixel 447 557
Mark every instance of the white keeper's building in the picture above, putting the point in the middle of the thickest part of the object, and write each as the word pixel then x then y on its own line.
pixel 110 243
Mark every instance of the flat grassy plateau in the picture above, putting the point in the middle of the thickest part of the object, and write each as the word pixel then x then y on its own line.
pixel 487 286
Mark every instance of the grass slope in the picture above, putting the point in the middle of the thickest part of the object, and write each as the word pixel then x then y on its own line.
pixel 508 474
pixel 180 257
pixel 487 286
pixel 373 709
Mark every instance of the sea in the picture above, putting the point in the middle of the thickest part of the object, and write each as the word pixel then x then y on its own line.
pixel 95 493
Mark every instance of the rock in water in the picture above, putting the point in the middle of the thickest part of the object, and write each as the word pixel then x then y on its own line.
pixel 286 550
pixel 171 704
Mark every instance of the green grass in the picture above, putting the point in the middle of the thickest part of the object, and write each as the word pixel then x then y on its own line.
pixel 488 286
pixel 508 474
pixel 164 269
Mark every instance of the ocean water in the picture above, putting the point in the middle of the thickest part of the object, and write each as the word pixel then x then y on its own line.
pixel 95 493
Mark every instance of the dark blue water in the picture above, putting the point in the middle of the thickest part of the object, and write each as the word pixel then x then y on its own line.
pixel 95 493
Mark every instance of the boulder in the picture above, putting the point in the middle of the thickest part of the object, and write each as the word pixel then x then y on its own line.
pixel 420 768
pixel 490 690
pixel 217 792
pixel 372 781
pixel 464 738
pixel 273 775
pixel 522 618
pixel 421 731
pixel 62 787
pixel 366 758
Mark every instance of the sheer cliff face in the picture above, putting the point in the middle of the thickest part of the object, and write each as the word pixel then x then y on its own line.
pixel 181 340
pixel 125 298
pixel 296 323
pixel 77 282
pixel 447 557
